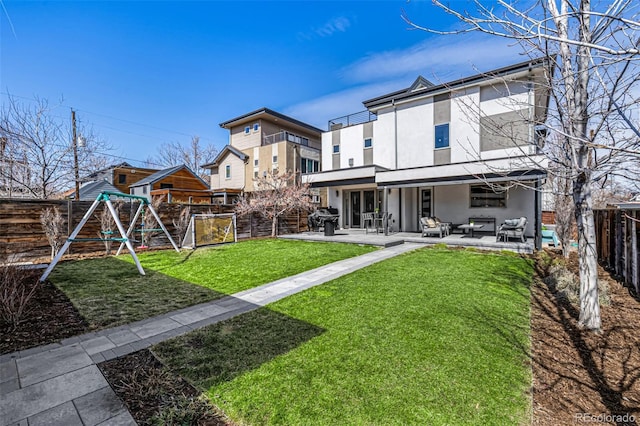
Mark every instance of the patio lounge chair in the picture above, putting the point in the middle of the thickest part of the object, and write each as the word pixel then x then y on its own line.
pixel 512 228
pixel 431 227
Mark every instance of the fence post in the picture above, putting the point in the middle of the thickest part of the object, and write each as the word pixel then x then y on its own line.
pixel 634 251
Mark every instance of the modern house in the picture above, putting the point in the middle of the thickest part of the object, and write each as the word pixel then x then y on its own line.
pixel 466 150
pixel 259 142
pixel 174 184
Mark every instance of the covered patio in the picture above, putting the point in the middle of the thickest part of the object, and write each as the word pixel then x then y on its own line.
pixel 359 236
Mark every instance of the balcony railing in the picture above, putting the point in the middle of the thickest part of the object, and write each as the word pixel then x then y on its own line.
pixel 285 136
pixel 352 119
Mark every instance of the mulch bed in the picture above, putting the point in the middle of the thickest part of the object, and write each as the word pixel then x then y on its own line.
pixel 580 376
pixel 149 389
pixel 50 317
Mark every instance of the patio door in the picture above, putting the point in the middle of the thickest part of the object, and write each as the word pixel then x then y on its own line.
pixel 369 201
pixel 425 203
pixel 355 209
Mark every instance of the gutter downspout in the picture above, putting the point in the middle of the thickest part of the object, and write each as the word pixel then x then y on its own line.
pixel 395 132
pixel 395 146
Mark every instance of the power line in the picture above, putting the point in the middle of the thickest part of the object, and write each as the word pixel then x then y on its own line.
pixel 62 103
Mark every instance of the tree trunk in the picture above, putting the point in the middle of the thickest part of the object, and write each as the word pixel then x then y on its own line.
pixel 274 226
pixel 587 258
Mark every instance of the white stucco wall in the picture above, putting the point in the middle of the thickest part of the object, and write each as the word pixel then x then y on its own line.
pixel 351 146
pixel 415 134
pixel 451 204
pixel 383 140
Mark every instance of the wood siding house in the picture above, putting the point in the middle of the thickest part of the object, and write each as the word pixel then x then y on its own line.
pixel 175 184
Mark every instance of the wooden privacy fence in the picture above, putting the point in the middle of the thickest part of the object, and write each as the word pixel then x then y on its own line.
pixel 617 243
pixel 23 239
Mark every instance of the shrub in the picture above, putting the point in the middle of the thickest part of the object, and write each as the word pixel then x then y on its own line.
pixel 17 287
pixel 567 285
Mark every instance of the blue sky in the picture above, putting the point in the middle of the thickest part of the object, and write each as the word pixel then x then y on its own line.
pixel 144 73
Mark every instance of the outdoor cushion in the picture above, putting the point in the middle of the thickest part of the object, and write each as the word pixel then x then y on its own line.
pixel 431 223
pixel 511 222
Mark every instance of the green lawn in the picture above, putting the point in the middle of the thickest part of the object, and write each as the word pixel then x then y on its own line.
pixel 110 292
pixel 436 337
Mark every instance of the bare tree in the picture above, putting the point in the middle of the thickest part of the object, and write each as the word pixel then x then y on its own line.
pixel 276 194
pixel 182 223
pixel 37 151
pixel 193 155
pixel 594 53
pixel 108 227
pixel 54 229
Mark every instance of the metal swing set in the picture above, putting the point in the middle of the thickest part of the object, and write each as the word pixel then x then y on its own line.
pixel 124 239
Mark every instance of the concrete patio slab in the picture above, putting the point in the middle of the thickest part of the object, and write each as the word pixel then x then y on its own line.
pixel 39 367
pixel 98 406
pixel 62 415
pixel 154 328
pixel 35 399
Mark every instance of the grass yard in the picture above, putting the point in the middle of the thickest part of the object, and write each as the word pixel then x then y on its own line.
pixel 110 292
pixel 432 337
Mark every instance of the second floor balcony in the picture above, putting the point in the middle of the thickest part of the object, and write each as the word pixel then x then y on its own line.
pixel 352 119
pixel 285 136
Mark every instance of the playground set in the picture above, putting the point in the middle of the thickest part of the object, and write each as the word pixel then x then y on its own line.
pixel 125 236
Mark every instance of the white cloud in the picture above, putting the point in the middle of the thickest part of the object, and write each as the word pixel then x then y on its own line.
pixel 319 111
pixel 439 59
pixel 339 24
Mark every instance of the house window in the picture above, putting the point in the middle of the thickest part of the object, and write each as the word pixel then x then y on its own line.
pixel 255 162
pixel 255 174
pixel 368 143
pixel 256 127
pixel 309 166
pixel 166 185
pixel 275 158
pixel 485 196
pixel 336 149
pixel 144 189
pixel 227 171
pixel 122 179
pixel 247 130
pixel 442 136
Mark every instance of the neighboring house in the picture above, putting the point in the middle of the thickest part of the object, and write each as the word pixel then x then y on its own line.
pixel 228 174
pixel 262 141
pixel 89 191
pixel 121 176
pixel 175 184
pixel 14 177
pixel 440 150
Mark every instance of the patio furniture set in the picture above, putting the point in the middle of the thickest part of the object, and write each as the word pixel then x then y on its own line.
pixel 511 228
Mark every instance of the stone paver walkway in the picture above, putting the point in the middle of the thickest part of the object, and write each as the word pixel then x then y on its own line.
pixel 60 384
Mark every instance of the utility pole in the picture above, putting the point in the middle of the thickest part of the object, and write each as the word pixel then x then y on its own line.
pixel 75 154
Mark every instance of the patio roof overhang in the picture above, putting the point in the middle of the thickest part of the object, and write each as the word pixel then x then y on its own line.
pixel 342 177
pixel 511 169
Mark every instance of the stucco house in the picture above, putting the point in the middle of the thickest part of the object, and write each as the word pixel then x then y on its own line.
pixel 462 150
pixel 260 141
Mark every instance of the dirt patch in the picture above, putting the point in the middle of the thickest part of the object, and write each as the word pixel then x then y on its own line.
pixel 580 376
pixel 50 317
pixel 154 395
